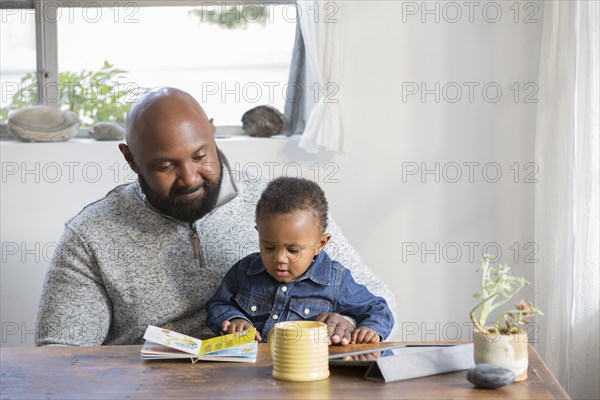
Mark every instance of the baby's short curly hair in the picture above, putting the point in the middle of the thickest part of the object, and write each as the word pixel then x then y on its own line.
pixel 286 195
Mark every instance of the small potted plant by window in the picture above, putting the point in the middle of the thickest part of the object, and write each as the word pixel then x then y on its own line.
pixel 502 342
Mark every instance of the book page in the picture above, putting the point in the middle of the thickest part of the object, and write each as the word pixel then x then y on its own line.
pixel 174 340
pixel 243 353
pixel 227 341
pixel 153 350
pixel 164 343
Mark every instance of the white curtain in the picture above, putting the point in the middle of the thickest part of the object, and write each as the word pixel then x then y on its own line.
pixel 321 25
pixel 566 196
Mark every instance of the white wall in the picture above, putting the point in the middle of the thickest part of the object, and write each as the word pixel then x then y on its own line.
pixel 392 219
pixel 384 213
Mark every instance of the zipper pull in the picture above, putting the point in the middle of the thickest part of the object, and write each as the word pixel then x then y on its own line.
pixel 195 242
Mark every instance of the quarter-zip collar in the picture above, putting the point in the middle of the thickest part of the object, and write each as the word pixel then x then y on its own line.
pixel 195 241
pixel 227 192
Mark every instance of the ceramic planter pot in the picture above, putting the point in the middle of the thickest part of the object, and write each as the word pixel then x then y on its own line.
pixel 508 351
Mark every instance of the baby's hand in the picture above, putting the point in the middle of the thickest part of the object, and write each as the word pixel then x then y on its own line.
pixel 364 335
pixel 237 325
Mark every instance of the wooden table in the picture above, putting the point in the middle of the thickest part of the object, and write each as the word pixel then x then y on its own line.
pixel 117 372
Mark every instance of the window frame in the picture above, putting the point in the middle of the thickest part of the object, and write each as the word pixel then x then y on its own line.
pixel 46 38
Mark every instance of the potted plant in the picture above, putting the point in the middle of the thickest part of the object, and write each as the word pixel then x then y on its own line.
pixel 502 342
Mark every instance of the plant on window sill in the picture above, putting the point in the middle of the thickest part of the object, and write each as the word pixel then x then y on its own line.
pixel 103 95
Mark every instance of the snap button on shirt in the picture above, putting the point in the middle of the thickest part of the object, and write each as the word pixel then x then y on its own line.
pixel 284 289
pixel 275 317
pixel 253 308
pixel 306 311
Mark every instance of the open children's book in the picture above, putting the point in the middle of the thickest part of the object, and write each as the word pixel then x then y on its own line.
pixel 164 344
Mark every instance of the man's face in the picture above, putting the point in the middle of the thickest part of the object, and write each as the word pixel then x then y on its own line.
pixel 187 204
pixel 176 159
pixel 288 243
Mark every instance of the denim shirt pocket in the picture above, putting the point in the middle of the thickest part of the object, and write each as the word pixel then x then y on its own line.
pixel 309 308
pixel 256 307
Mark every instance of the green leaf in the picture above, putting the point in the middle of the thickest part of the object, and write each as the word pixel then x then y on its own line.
pixel 95 96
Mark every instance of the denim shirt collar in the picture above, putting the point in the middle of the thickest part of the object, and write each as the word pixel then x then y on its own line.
pixel 318 272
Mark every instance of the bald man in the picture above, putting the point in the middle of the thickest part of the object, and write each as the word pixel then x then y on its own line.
pixel 152 252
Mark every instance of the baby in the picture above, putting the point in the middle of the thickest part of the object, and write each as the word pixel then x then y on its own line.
pixel 293 278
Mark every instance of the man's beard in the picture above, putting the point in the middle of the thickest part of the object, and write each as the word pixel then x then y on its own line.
pixel 186 210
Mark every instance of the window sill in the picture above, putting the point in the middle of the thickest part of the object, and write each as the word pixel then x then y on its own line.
pixel 10 140
pixel 229 132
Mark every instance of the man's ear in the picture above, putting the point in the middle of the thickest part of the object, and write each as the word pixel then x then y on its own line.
pixel 322 242
pixel 128 157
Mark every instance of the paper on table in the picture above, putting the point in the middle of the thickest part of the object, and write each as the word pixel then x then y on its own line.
pixel 423 362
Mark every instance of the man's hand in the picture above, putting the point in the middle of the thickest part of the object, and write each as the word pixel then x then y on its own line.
pixel 339 328
pixel 237 325
pixel 364 335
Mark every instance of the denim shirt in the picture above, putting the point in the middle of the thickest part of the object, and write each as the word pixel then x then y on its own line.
pixel 249 292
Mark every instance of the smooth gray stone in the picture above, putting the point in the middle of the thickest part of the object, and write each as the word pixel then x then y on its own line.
pixel 264 121
pixel 107 131
pixel 490 376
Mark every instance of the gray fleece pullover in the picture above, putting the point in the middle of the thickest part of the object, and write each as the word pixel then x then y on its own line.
pixel 121 266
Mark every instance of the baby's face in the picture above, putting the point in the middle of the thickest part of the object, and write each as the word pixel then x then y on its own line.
pixel 288 243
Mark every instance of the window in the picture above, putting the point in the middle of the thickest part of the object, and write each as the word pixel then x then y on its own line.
pixel 230 56
pixel 17 47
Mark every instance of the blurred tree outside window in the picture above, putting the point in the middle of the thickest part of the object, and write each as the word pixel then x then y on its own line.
pixel 229 57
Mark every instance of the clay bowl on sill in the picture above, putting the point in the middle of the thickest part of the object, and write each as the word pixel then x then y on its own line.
pixel 43 124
